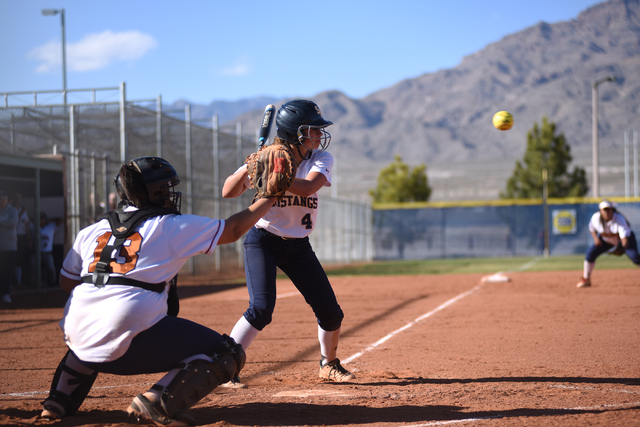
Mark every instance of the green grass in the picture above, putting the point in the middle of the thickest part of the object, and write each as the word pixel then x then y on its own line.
pixel 477 265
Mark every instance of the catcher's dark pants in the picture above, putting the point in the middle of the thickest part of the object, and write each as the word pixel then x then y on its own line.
pixel 263 254
pixel 632 250
pixel 161 347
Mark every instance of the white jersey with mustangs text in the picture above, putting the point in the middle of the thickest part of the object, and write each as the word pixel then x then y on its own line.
pixel 295 216
pixel 612 231
pixel 99 323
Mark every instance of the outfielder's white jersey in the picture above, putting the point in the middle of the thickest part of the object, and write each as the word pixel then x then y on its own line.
pixel 295 216
pixel 613 230
pixel 153 254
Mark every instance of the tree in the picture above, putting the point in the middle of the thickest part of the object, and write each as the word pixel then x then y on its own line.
pixel 545 148
pixel 397 184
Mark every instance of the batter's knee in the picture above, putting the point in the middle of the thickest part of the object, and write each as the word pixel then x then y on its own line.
pixel 333 322
pixel 258 318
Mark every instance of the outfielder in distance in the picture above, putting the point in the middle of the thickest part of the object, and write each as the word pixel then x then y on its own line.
pixel 609 229
pixel 119 272
pixel 280 238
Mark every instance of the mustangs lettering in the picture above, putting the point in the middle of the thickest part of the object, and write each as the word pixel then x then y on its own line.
pixel 297 215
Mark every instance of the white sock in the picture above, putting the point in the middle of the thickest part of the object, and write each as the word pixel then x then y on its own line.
pixel 329 343
pixel 243 333
pixel 588 268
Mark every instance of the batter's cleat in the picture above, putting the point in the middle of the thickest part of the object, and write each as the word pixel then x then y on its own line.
pixel 151 412
pixel 584 283
pixel 234 383
pixel 333 371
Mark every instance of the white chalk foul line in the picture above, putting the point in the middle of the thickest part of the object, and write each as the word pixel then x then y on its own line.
pixel 410 324
pixel 432 312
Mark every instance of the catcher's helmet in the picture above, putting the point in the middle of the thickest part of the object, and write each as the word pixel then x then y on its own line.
pixel 295 116
pixel 148 181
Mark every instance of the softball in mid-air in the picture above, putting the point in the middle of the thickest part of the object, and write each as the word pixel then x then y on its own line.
pixel 503 120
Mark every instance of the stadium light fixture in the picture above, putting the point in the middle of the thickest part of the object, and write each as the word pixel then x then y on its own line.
pixel 594 110
pixel 54 12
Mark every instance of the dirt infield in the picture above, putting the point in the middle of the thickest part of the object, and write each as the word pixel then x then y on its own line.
pixel 426 351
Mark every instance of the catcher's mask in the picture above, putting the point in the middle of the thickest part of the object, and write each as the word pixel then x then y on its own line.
pixel 294 120
pixel 148 181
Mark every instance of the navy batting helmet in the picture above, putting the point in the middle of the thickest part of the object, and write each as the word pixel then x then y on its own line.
pixel 295 116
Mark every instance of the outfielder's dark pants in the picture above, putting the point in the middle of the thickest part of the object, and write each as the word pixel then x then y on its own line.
pixel 161 347
pixel 631 250
pixel 263 253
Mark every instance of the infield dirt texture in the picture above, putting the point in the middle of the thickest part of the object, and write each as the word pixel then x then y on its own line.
pixel 427 350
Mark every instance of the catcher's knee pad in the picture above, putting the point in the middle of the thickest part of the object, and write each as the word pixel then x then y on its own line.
pixel 228 346
pixel 83 383
pixel 200 377
pixel 333 323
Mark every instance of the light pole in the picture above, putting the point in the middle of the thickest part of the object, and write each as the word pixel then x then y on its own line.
pixel 53 12
pixel 594 103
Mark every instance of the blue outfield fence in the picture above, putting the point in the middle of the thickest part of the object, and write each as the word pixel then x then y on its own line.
pixel 487 229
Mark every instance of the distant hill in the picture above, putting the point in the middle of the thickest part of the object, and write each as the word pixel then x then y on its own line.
pixel 443 119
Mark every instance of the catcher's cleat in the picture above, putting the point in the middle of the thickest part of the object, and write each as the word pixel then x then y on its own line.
pixel 583 283
pixel 52 411
pixel 333 371
pixel 152 412
pixel 234 383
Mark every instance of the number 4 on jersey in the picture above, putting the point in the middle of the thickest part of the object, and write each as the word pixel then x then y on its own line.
pixel 306 221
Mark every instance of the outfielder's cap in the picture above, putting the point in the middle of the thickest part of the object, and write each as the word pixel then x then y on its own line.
pixel 605 204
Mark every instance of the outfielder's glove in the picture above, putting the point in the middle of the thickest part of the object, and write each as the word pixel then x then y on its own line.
pixel 618 250
pixel 271 170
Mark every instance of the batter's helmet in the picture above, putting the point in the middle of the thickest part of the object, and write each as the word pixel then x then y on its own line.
pixel 299 114
pixel 148 181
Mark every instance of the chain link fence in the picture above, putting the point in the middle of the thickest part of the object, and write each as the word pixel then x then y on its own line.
pixel 92 137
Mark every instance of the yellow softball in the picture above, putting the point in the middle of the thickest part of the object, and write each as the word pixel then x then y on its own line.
pixel 503 120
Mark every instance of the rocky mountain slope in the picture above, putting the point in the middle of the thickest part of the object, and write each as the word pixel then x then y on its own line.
pixel 443 119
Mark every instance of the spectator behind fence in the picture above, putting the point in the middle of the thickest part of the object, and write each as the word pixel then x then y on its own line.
pixel 22 262
pixel 47 230
pixel 612 233
pixel 8 245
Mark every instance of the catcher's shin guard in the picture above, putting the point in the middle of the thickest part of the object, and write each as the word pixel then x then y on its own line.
pixel 200 377
pixel 83 383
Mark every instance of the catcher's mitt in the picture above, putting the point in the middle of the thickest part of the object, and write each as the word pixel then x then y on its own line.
pixel 618 250
pixel 271 170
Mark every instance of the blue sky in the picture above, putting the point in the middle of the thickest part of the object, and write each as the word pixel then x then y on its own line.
pixel 202 51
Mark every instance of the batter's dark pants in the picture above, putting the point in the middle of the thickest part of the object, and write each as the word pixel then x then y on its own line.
pixel 161 347
pixel 264 252
pixel 632 250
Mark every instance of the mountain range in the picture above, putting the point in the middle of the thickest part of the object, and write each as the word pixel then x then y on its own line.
pixel 444 119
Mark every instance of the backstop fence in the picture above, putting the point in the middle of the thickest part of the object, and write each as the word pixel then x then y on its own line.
pixel 98 129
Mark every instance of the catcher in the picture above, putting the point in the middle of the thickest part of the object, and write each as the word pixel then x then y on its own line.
pixel 280 239
pixel 115 321
pixel 611 233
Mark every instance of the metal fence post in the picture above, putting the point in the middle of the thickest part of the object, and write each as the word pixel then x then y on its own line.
pixel 216 181
pixel 187 137
pixel 123 133
pixel 159 126
pixel 238 200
